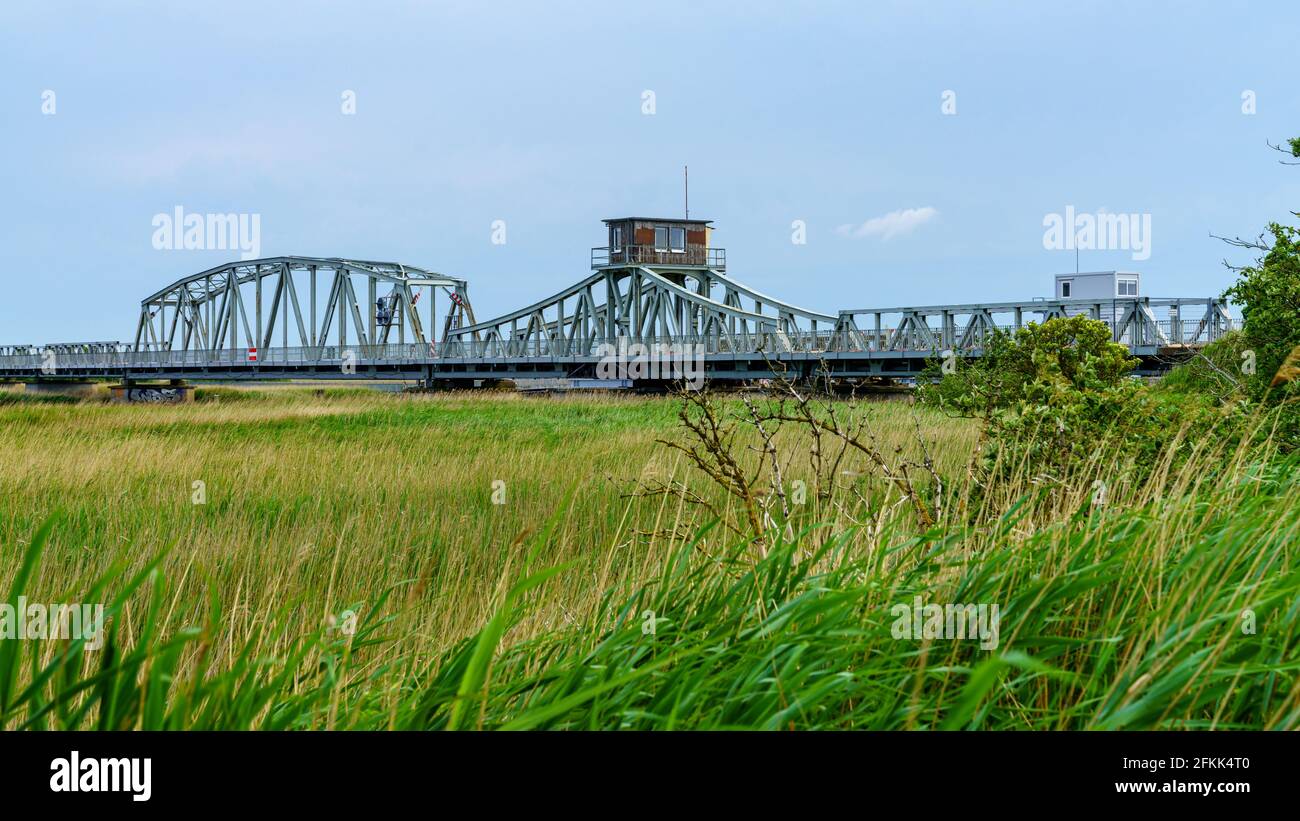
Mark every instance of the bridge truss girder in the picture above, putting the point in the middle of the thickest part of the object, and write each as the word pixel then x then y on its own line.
pixel 967 328
pixel 645 305
pixel 208 310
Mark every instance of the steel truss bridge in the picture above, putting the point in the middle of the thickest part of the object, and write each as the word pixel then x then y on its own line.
pixel 351 319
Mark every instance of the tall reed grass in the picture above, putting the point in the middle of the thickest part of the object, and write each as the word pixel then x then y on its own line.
pixel 581 601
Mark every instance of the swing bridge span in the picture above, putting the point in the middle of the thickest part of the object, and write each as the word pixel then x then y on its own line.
pixel 315 318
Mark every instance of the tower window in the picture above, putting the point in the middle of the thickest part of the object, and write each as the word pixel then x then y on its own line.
pixel 617 241
pixel 661 239
pixel 677 239
pixel 1065 290
pixel 1128 287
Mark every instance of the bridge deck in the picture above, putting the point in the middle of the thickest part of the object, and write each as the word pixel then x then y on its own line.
pixel 410 362
pixel 221 323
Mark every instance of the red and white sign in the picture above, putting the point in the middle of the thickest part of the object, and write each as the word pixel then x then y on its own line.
pixel 252 354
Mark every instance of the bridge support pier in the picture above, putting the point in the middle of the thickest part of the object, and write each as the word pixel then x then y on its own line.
pixel 177 392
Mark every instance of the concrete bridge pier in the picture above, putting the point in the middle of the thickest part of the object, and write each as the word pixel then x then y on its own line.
pixel 177 391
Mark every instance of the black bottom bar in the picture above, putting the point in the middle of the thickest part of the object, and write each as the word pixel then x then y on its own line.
pixel 602 772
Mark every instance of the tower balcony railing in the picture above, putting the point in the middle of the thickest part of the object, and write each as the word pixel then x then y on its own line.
pixel 695 256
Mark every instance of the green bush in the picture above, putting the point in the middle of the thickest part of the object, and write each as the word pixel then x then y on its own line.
pixel 1214 374
pixel 1032 366
pixel 1269 295
pixel 1056 399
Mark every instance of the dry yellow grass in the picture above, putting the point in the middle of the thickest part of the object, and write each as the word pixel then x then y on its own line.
pixel 318 504
pixel 1120 614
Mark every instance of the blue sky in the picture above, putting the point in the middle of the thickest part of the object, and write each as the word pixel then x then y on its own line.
pixel 466 113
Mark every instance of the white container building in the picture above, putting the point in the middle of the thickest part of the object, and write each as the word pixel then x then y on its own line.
pixel 1098 285
pixel 1101 286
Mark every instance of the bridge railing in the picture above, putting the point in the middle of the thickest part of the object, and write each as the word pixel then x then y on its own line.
pixel 693 255
pixel 752 343
pixel 908 331
pixel 54 360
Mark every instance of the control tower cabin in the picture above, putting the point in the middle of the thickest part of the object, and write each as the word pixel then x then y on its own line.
pixel 661 242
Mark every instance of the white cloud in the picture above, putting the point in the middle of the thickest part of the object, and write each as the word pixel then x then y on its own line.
pixel 893 224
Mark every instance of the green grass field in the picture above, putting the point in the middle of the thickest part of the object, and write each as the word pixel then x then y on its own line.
pixel 350 559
